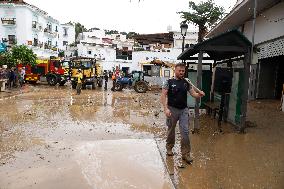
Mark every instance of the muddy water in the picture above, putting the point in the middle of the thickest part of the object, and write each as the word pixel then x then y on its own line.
pixel 42 129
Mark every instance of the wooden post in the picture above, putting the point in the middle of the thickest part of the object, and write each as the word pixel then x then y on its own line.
pixel 199 81
pixel 247 63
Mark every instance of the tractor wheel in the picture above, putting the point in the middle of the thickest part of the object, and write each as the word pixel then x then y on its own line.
pixel 93 86
pixel 140 87
pixel 62 83
pixel 118 87
pixel 52 80
pixel 74 85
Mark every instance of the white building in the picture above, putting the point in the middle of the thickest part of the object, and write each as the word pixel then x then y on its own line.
pixel 67 39
pixel 110 50
pixel 25 24
pixel 165 47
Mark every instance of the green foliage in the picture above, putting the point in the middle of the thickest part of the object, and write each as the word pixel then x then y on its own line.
pixel 204 15
pixel 61 54
pixel 123 33
pixel 23 55
pixel 6 58
pixel 130 35
pixel 18 55
pixel 79 28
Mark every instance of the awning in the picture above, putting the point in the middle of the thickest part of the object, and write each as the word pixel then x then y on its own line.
pixel 224 46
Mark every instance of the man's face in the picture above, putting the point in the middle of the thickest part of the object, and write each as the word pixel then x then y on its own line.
pixel 179 72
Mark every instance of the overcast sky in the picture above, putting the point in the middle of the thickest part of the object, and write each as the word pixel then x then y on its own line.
pixel 148 16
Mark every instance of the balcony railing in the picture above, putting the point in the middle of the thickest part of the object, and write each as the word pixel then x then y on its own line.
pixel 36 26
pixel 8 21
pixel 9 41
pixel 4 40
pixel 49 32
pixel 47 46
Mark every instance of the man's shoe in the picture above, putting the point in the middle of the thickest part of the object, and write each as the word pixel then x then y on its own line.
pixel 187 159
pixel 170 153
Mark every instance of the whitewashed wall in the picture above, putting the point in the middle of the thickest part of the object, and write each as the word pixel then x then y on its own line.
pixel 266 27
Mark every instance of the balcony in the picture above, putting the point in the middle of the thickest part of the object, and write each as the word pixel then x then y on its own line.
pixel 48 32
pixel 36 26
pixel 8 21
pixel 9 42
pixel 47 46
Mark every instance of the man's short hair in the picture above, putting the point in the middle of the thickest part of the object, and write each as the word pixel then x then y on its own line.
pixel 180 65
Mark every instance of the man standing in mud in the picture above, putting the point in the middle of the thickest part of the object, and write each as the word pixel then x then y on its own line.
pixel 174 101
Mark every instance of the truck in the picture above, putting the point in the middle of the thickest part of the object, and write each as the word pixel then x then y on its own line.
pixel 91 71
pixel 49 70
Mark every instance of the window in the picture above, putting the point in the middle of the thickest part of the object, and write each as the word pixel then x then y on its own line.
pixel 34 24
pixel 12 39
pixel 89 52
pixel 65 43
pixel 65 32
pixel 56 29
pixel 35 42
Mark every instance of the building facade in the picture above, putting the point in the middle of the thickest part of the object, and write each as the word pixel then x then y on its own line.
pixel 110 50
pixel 25 24
pixel 67 39
pixel 267 68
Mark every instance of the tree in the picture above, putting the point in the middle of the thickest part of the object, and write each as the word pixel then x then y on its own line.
pixel 61 54
pixel 23 55
pixel 18 55
pixel 204 15
pixel 130 35
pixel 79 28
pixel 7 59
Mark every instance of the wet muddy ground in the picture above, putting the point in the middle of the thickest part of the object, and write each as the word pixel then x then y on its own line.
pixel 44 129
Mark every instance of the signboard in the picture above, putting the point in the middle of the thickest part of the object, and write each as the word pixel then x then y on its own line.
pixel 3 47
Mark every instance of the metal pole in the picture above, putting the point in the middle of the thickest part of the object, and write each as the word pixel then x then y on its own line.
pixel 183 37
pixel 199 81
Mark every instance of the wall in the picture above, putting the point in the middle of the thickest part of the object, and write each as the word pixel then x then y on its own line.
pixel 147 56
pixel 266 28
pixel 23 31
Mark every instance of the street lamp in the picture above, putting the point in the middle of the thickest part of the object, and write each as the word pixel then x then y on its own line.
pixel 183 29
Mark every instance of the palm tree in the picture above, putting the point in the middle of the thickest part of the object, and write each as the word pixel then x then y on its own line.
pixel 204 15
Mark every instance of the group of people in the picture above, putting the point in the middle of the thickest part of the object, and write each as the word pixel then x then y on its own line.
pixel 113 75
pixel 14 76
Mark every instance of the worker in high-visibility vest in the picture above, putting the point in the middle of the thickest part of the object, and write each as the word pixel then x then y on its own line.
pixel 113 77
pixel 79 82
